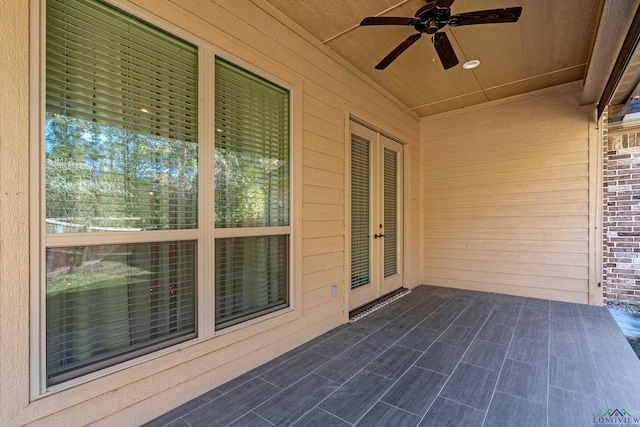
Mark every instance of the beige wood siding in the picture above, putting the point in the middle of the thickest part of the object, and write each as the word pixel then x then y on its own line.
pixel 415 216
pixel 327 90
pixel 506 196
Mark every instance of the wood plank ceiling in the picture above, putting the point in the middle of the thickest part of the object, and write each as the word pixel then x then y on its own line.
pixel 550 45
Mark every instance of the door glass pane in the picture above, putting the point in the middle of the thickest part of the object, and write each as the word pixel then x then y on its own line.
pixel 390 212
pixel 106 304
pixel 360 212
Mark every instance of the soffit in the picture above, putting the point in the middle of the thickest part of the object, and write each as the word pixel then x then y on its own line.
pixel 549 45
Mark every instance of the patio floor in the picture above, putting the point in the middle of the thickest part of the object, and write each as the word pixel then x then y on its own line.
pixel 439 357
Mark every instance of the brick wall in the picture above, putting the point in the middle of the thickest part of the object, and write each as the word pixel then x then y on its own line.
pixel 621 216
pixel 605 210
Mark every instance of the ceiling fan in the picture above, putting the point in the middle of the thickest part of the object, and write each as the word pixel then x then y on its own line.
pixel 431 18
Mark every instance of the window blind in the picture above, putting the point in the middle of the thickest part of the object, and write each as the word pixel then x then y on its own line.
pixel 360 211
pixel 390 212
pixel 107 67
pixel 109 303
pixel 251 190
pixel 121 155
pixel 121 122
pixel 251 150
pixel 251 277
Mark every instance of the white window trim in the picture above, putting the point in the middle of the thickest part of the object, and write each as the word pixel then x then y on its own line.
pixel 204 235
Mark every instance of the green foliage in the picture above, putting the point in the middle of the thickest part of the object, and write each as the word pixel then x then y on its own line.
pixel 249 189
pixel 103 274
pixel 104 176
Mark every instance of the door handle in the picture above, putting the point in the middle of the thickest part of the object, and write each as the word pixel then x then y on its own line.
pixel 375 236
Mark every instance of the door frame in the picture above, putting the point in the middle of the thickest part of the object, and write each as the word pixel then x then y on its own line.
pixel 376 268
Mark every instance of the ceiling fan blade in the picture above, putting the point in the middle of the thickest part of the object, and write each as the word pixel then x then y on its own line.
pixel 493 16
pixel 397 51
pixel 443 3
pixel 445 50
pixel 387 20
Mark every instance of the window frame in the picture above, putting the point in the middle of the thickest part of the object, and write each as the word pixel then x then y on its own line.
pixel 221 233
pixel 204 235
pixel 295 198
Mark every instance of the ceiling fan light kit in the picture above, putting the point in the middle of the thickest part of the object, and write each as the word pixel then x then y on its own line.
pixel 434 16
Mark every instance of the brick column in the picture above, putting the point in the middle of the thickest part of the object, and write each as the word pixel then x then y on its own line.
pixel 621 216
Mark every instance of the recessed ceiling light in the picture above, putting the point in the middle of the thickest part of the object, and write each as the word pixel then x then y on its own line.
pixel 469 65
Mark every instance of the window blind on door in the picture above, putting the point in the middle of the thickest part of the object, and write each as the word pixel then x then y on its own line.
pixel 390 212
pixel 360 211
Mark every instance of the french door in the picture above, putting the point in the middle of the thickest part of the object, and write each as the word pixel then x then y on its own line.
pixel 376 215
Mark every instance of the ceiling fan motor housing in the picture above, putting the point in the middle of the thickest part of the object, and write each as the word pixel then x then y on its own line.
pixel 432 20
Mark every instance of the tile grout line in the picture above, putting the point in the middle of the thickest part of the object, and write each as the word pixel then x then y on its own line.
pixel 260 374
pixel 404 322
pixel 291 385
pixel 261 417
pixel 393 406
pixel 328 361
pixel 331 358
pixel 250 411
pixel 320 409
pixel 592 358
pixel 310 349
pixel 191 411
pixel 495 387
pixel 255 407
pixel 391 345
pixel 413 364
pixel 461 357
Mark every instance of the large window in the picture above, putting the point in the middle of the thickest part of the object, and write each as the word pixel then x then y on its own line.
pixel 251 195
pixel 122 223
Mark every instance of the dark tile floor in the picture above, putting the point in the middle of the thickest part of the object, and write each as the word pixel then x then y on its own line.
pixel 439 357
